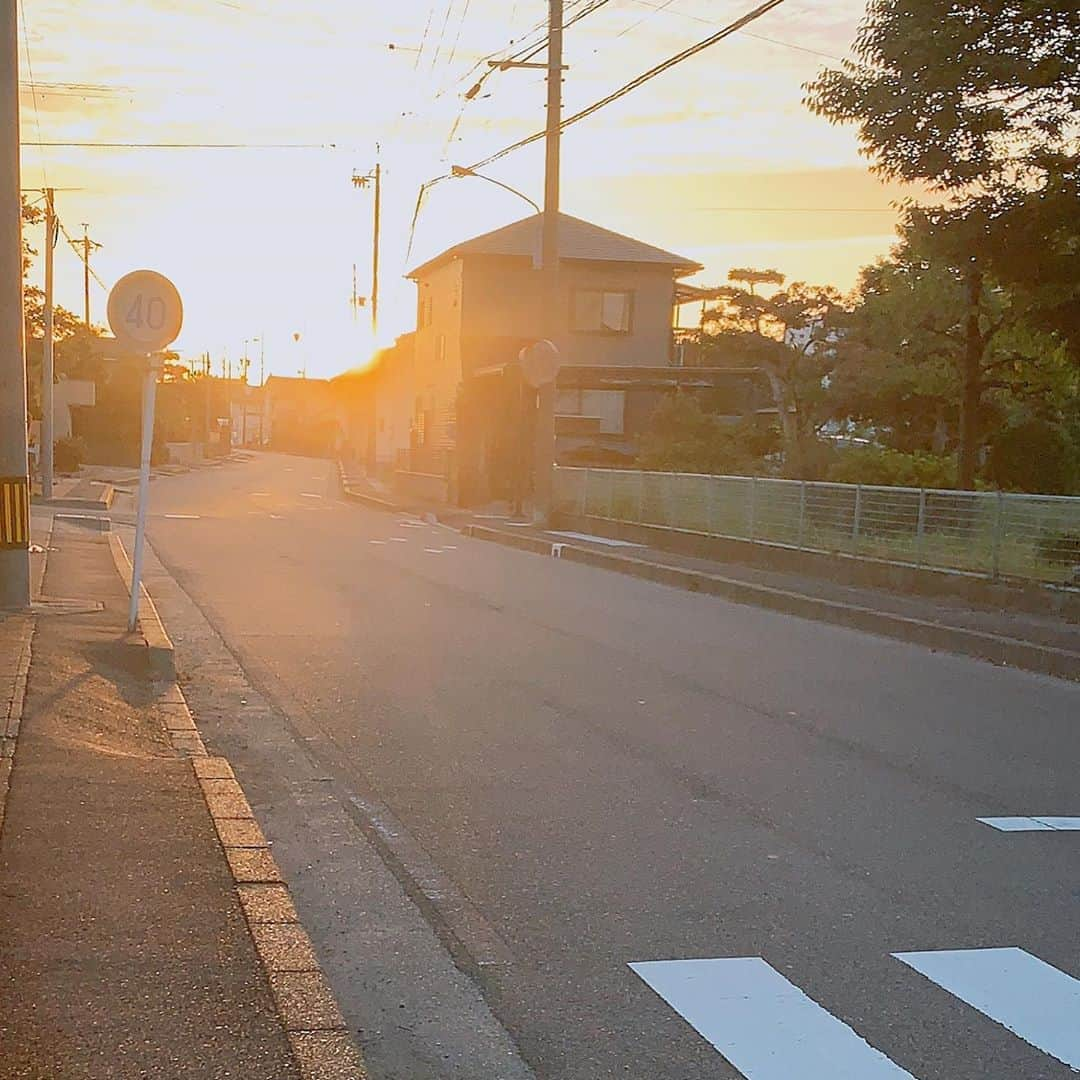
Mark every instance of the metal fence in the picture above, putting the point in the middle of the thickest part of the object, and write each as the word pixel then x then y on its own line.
pixel 991 534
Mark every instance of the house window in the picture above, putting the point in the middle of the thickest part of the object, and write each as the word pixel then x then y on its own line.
pixel 602 311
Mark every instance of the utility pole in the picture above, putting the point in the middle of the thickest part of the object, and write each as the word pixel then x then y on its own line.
pixel 544 456
pixel 362 181
pixel 87 244
pixel 14 479
pixel 48 437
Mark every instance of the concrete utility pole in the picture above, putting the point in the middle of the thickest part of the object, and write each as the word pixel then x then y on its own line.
pixel 544 456
pixel 48 436
pixel 14 479
pixel 87 244
pixel 362 181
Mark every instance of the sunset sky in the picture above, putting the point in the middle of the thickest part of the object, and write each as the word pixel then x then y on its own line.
pixel 261 242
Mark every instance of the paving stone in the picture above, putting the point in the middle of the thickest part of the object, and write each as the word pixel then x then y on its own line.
pixel 250 865
pixel 187 742
pixel 284 947
pixel 178 720
pixel 327 1055
pixel 228 804
pixel 305 1002
pixel 267 903
pixel 214 768
pixel 240 833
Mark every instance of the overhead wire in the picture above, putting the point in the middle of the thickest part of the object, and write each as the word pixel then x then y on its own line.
pixel 640 80
pixel 80 251
pixel 33 90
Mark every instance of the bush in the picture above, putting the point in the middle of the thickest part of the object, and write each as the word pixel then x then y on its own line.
pixel 893 468
pixel 1034 455
pixel 68 454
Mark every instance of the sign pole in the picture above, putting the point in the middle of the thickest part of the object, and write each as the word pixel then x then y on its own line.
pixel 148 396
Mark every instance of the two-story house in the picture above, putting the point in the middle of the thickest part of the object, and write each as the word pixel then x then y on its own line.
pixel 480 301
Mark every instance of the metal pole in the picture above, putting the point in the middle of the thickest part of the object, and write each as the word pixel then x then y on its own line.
pixel 920 528
pixel 375 253
pixel 545 415
pixel 149 392
pixel 802 513
pixel 999 531
pixel 14 480
pixel 751 512
pixel 48 436
pixel 858 519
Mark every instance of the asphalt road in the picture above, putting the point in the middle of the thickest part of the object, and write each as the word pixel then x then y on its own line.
pixel 607 771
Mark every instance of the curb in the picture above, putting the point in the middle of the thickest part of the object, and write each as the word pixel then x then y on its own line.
pixel 160 651
pixel 11 718
pixel 321 1044
pixel 1041 659
pixel 371 500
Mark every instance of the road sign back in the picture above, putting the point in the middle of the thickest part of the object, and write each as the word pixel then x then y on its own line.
pixel 145 311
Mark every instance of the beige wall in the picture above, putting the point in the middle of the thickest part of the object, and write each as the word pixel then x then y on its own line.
pixel 438 353
pixel 502 304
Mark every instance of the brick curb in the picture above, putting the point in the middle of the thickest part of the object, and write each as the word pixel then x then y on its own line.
pixel 997 649
pixel 321 1044
pixel 11 717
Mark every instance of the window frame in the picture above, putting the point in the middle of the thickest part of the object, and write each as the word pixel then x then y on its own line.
pixel 602 290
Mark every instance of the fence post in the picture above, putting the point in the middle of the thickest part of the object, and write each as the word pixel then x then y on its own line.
pixel 584 505
pixel 802 513
pixel 611 497
pixel 999 529
pixel 920 528
pixel 751 512
pixel 641 496
pixel 857 520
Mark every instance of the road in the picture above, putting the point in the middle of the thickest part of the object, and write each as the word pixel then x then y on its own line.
pixel 571 771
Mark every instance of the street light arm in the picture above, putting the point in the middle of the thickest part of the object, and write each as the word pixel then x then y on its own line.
pixel 461 170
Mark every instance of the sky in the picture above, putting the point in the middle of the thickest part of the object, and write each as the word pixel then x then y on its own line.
pixel 716 159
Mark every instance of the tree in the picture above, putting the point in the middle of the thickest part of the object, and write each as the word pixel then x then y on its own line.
pixel 790 335
pixel 977 100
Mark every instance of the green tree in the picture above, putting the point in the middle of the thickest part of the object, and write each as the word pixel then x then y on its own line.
pixel 977 100
pixel 791 336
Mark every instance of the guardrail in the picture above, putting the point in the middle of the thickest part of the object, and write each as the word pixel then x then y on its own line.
pixel 990 534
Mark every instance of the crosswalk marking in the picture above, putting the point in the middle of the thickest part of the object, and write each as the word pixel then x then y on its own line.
pixel 1021 992
pixel 1032 824
pixel 764 1025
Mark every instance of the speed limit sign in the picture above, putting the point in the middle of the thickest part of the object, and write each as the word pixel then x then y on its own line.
pixel 145 312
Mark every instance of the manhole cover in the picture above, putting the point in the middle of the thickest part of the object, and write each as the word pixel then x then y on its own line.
pixel 59 606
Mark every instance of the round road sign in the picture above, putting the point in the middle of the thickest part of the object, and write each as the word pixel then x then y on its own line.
pixel 145 312
pixel 539 363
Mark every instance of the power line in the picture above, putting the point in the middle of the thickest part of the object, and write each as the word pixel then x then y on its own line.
pixel 645 18
pixel 640 80
pixel 796 209
pixel 33 89
pixel 187 146
pixel 79 247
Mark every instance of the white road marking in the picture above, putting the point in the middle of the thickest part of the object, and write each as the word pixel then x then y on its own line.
pixel 376 541
pixel 276 517
pixel 764 1025
pixel 1021 992
pixel 1032 824
pixel 410 525
pixel 266 493
pixel 309 495
pixel 449 547
pixel 398 540
pixel 597 539
pixel 183 517
pixel 433 551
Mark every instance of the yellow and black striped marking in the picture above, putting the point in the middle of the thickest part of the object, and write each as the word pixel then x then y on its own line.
pixel 14 512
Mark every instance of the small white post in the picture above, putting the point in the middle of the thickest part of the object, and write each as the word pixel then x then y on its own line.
pixel 149 393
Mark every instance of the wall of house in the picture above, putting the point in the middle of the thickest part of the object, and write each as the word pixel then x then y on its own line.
pixel 438 360
pixel 502 306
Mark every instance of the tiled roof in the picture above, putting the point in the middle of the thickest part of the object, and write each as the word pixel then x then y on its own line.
pixel 577 240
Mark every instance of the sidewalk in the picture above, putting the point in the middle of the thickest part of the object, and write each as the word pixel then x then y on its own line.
pixel 124 947
pixel 1041 643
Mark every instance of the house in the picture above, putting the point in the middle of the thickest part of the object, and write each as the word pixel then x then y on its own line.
pixel 480 302
pixel 301 416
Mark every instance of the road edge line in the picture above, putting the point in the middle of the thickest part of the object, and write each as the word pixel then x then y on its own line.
pixel 160 649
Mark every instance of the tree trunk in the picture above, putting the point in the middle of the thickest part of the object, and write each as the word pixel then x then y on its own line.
pixel 971 399
pixel 788 425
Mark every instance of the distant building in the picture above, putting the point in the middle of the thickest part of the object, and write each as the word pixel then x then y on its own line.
pixel 302 416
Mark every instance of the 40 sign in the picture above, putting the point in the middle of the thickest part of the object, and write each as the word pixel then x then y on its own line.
pixel 145 311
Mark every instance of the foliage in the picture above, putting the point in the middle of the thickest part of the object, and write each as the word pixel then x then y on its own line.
pixel 69 454
pixel 882 465
pixel 1034 455
pixel 791 336
pixel 977 100
pixel 683 437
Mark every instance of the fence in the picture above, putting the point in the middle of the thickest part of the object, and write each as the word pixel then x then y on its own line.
pixel 993 534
